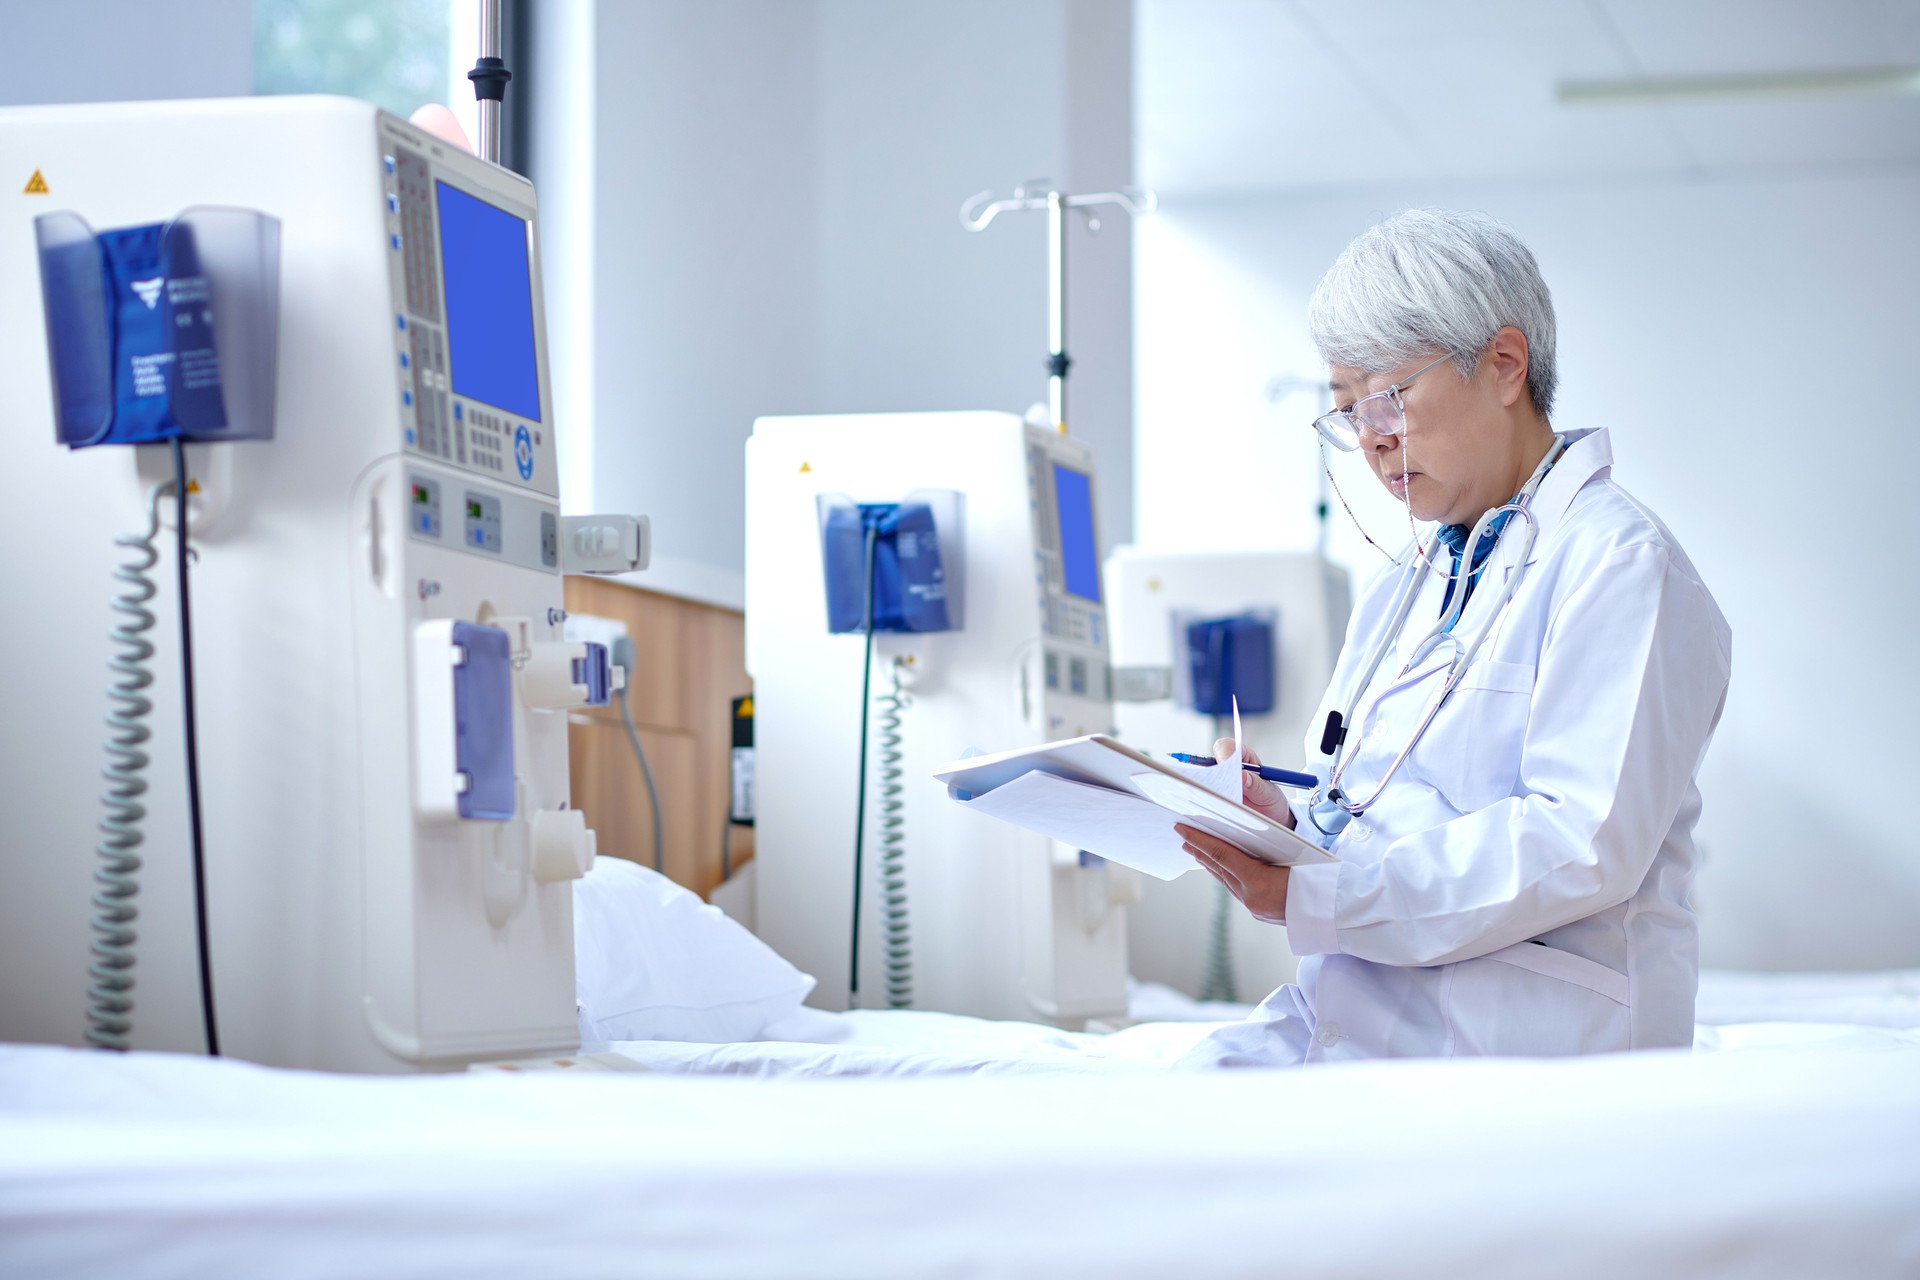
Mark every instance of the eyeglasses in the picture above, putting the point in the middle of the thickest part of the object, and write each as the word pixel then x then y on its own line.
pixel 1383 413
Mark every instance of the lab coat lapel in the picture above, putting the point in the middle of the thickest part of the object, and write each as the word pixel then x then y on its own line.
pixel 1425 615
pixel 1589 454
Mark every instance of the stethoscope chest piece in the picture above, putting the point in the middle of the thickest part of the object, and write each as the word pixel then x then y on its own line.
pixel 1328 815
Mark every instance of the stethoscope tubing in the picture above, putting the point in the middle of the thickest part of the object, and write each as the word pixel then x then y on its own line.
pixel 1419 566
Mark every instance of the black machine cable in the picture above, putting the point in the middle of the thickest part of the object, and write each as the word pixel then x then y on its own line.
pixel 189 721
pixel 860 814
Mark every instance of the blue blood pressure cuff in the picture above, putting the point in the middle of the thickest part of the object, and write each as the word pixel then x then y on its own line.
pixel 906 581
pixel 166 373
pixel 131 319
pixel 130 334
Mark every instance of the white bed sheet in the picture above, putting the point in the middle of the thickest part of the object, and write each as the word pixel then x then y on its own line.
pixel 1658 1165
pixel 1867 998
pixel 1737 1011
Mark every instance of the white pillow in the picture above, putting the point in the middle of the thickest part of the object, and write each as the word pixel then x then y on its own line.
pixel 654 962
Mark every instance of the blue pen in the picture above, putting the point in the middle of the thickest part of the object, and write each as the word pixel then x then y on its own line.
pixel 1271 774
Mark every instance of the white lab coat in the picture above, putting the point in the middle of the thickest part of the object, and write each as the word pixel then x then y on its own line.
pixel 1521 887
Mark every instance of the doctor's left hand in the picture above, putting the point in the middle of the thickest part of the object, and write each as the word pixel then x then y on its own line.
pixel 1261 888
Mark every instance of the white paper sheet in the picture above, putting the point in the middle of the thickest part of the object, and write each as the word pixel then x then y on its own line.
pixel 1117 826
pixel 1133 830
pixel 1222 777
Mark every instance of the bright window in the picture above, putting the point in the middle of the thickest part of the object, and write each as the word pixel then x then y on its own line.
pixel 397 53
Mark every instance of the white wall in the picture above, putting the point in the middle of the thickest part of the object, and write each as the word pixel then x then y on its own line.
pixel 1749 342
pixel 114 51
pixel 81 51
pixel 774 229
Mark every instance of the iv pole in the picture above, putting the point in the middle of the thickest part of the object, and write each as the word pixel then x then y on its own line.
pixel 1134 200
pixel 489 76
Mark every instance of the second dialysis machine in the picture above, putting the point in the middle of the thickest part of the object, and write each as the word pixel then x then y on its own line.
pixel 1277 618
pixel 918 586
pixel 375 556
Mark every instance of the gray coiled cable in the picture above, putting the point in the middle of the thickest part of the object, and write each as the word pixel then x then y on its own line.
pixel 116 877
pixel 893 852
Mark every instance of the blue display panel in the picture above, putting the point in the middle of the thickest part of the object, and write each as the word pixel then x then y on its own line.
pixel 483 256
pixel 1073 499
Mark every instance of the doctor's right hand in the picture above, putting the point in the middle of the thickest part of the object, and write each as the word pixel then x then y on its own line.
pixel 1257 793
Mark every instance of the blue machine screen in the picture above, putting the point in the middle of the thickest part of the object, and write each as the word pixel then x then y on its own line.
pixel 483 253
pixel 1073 499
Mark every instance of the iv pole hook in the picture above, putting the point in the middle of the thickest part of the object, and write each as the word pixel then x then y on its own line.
pixel 981 209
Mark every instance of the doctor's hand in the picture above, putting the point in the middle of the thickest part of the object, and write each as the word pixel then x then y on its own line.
pixel 1256 791
pixel 1262 889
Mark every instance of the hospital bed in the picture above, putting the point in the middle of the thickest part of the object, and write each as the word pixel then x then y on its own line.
pixel 1791 1149
pixel 1783 1163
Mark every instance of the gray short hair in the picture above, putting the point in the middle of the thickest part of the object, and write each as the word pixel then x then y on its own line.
pixel 1432 279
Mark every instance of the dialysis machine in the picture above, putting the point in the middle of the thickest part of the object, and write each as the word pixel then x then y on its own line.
pixel 967 541
pixel 375 561
pixel 1168 609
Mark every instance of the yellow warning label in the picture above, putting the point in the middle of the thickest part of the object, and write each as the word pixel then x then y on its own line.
pixel 746 708
pixel 36 185
pixel 805 467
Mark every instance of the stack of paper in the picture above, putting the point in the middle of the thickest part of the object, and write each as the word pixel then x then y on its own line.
pixel 1099 795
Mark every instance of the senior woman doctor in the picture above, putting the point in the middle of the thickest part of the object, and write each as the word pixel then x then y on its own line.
pixel 1519 883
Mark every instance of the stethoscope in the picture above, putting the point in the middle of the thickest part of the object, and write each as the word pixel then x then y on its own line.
pixel 1330 807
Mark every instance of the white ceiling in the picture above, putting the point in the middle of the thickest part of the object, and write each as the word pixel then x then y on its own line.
pixel 1242 96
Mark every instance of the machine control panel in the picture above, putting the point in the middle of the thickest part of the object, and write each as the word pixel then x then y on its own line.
pixel 1066 583
pixel 498 524
pixel 468 334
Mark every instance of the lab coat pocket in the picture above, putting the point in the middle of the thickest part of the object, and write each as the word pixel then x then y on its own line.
pixel 1536 1001
pixel 1472 752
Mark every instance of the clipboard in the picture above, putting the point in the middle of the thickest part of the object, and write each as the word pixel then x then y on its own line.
pixel 1098 794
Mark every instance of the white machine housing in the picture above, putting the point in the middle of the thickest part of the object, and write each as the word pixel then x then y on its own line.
pixel 356 921
pixel 1005 924
pixel 1168 929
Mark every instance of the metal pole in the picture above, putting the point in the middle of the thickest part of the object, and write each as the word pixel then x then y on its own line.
pixel 489 139
pixel 1057 360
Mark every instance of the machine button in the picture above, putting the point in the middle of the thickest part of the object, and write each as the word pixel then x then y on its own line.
pixel 523 452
